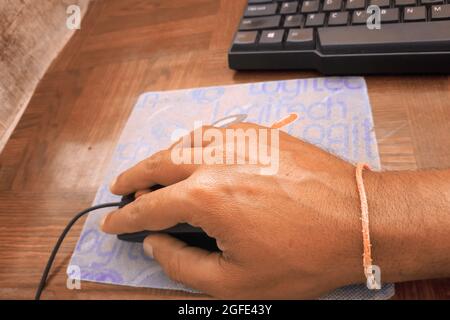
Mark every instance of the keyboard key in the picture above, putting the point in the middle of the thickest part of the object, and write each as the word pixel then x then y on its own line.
pixel 440 12
pixel 260 23
pixel 390 15
pixel 415 14
pixel 409 37
pixel 272 38
pixel 332 5
pixel 355 4
pixel 360 17
pixel 289 7
pixel 293 21
pixel 381 3
pixel 261 10
pixel 338 18
pixel 245 38
pixel 401 3
pixel 258 1
pixel 310 6
pixel 300 39
pixel 431 1
pixel 315 20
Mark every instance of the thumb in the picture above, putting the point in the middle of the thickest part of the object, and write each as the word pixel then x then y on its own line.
pixel 197 268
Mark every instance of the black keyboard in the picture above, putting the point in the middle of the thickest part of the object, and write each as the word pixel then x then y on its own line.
pixel 332 37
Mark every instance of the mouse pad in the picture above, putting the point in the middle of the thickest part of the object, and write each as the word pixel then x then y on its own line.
pixel 333 113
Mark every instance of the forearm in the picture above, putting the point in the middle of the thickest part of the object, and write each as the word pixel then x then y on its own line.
pixel 410 224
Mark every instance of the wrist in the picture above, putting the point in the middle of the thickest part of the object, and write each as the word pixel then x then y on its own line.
pixel 409 230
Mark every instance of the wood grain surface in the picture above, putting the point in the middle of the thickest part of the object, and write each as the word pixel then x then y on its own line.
pixel 31 37
pixel 57 155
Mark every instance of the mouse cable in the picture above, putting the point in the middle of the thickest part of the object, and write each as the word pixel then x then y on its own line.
pixel 61 238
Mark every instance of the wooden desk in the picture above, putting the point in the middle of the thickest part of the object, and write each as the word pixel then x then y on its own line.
pixel 56 158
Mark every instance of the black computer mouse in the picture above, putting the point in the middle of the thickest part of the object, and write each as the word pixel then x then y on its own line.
pixel 193 236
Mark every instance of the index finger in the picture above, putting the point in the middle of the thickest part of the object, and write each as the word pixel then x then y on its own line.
pixel 156 210
pixel 157 169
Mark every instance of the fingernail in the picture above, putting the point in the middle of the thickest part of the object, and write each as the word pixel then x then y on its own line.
pixel 111 185
pixel 148 249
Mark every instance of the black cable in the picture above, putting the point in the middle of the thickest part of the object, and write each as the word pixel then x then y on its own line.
pixel 60 240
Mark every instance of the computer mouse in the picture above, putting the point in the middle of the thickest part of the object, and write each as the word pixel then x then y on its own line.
pixel 193 236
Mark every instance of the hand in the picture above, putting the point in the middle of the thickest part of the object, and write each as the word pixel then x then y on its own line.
pixel 294 234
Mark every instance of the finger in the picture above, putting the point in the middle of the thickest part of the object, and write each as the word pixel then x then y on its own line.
pixel 157 169
pixel 156 210
pixel 194 267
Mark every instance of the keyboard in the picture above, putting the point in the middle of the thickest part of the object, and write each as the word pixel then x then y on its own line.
pixel 333 37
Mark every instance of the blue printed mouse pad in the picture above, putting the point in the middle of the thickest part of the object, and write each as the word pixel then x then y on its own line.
pixel 333 113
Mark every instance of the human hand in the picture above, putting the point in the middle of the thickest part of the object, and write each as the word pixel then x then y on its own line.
pixel 293 234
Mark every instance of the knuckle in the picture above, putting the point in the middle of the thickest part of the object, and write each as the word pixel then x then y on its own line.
pixel 210 186
pixel 153 163
pixel 218 180
pixel 201 186
pixel 207 186
pixel 133 215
